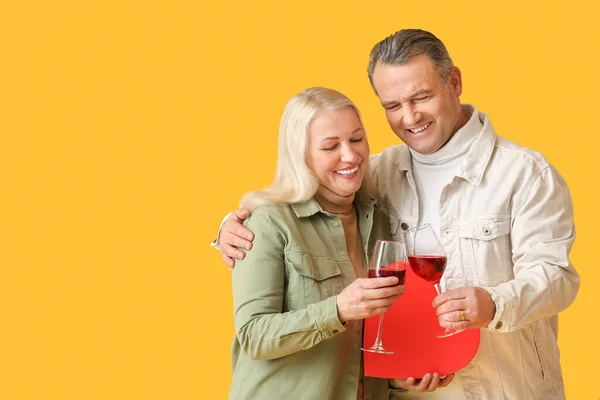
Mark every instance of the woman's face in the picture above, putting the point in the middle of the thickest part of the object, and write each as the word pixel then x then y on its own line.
pixel 338 150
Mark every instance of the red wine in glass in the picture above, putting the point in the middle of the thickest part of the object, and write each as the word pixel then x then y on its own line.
pixel 397 269
pixel 430 268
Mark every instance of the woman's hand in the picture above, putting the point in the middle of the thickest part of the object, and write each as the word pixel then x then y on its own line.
pixel 366 297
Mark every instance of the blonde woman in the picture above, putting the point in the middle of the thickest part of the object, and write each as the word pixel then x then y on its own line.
pixel 302 292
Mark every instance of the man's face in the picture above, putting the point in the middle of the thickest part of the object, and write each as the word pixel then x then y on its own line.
pixel 422 110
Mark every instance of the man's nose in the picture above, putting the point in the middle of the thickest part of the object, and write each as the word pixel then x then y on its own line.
pixel 411 117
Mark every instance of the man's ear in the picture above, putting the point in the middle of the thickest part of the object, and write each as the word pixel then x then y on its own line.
pixel 455 80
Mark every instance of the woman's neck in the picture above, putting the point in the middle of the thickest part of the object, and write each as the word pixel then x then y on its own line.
pixel 334 203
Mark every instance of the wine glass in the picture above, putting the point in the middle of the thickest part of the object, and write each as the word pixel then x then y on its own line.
pixel 388 259
pixel 427 259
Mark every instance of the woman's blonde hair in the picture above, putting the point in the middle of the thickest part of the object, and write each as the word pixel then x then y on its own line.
pixel 294 181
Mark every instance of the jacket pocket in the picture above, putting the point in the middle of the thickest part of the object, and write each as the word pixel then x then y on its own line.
pixel 533 362
pixel 312 278
pixel 485 245
pixel 536 345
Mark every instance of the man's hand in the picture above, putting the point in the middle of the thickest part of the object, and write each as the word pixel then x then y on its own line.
pixel 429 383
pixel 367 296
pixel 233 234
pixel 467 307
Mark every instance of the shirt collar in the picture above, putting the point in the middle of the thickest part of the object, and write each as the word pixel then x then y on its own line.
pixel 478 157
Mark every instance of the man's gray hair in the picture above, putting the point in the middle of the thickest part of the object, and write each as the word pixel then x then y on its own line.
pixel 399 48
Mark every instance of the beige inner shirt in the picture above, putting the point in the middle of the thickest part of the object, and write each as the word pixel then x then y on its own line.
pixel 357 257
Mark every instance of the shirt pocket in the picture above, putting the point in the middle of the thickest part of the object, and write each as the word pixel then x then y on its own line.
pixel 485 246
pixel 399 227
pixel 312 278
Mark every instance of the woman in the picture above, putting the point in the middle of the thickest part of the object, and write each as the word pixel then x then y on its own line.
pixel 299 294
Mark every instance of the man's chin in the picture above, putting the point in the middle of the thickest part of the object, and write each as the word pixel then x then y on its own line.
pixel 423 148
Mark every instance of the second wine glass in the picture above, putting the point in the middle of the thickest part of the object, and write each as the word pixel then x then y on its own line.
pixel 427 260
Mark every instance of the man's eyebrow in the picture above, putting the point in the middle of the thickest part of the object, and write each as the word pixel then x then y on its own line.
pixel 388 103
pixel 419 92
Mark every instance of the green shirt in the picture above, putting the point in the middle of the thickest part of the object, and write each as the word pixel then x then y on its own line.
pixel 289 342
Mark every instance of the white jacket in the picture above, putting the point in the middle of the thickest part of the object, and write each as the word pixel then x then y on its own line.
pixel 507 225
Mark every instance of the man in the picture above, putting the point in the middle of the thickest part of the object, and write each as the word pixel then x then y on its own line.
pixel 503 213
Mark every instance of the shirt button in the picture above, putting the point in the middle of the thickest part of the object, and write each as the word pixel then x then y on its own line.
pixel 404 226
pixel 499 325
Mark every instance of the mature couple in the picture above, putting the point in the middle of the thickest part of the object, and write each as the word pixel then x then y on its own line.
pixel 503 213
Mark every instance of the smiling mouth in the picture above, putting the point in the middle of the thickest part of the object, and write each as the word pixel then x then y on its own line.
pixel 420 128
pixel 347 171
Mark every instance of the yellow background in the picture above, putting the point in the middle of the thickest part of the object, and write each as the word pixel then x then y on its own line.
pixel 128 129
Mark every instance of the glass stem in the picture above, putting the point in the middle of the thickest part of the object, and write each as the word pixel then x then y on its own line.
pixel 438 289
pixel 378 343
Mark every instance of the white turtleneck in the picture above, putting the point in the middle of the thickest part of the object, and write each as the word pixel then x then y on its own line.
pixel 432 172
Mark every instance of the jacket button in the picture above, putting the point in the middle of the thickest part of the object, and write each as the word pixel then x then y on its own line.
pixel 487 231
pixel 404 226
pixel 499 325
pixel 335 331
